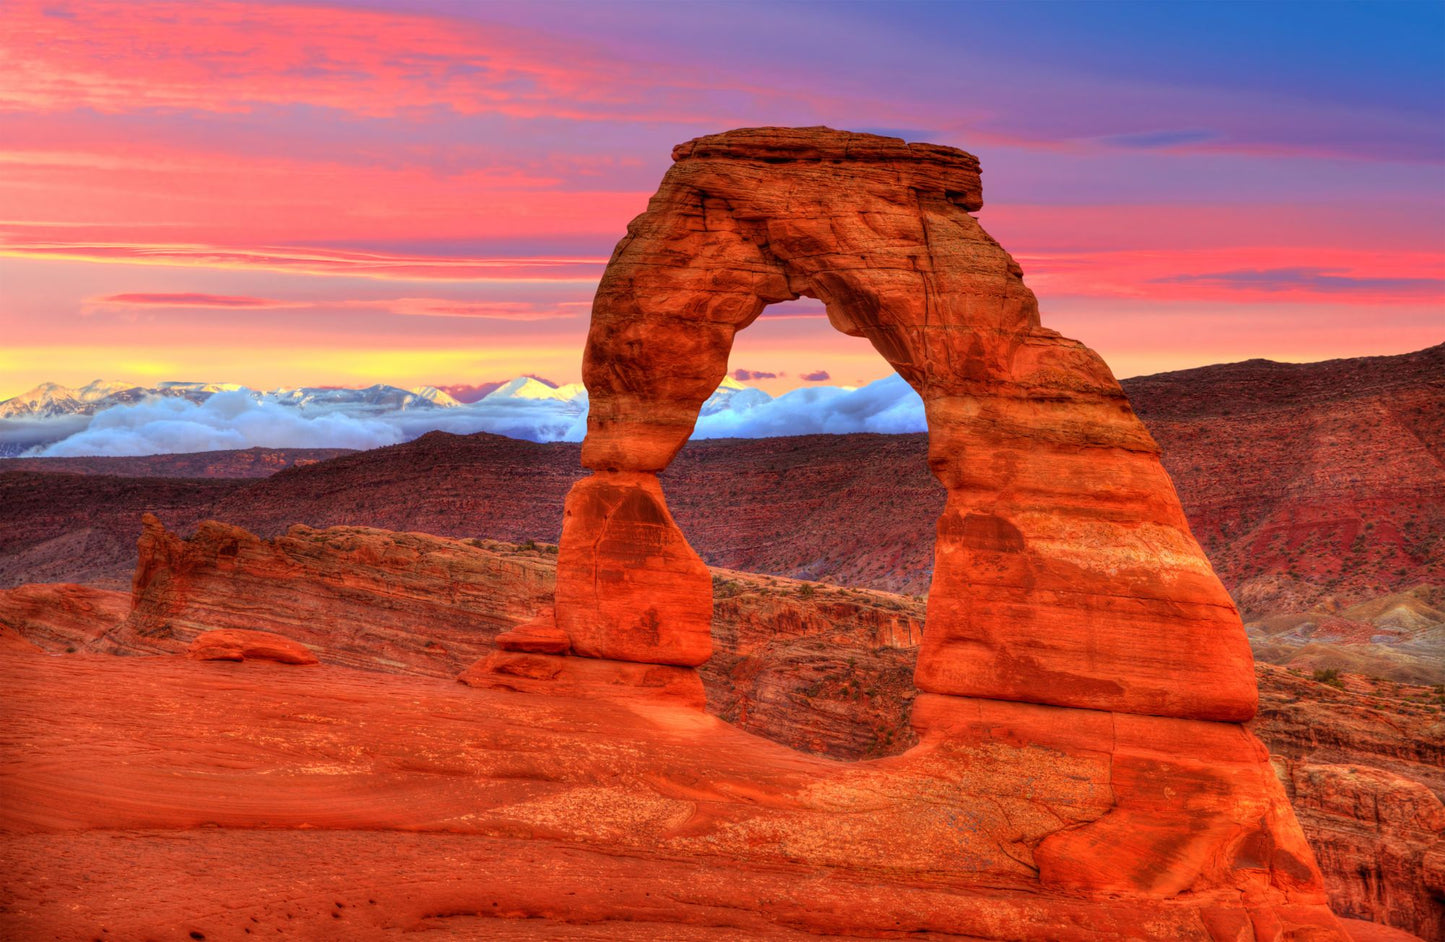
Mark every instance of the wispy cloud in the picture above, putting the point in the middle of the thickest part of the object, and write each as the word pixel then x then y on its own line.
pixel 406 307
pixel 315 261
pixel 1157 140
pixel 1312 281
pixel 134 55
pixel 191 299
pixel 493 310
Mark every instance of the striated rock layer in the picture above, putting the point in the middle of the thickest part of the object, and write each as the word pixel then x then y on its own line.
pixel 371 599
pixel 1064 569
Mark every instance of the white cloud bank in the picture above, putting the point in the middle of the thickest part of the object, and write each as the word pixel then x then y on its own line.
pixel 245 419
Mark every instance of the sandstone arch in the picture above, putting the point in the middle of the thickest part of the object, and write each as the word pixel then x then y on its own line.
pixel 1065 572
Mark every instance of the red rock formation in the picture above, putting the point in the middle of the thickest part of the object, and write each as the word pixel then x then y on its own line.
pixel 365 598
pixel 638 592
pixel 1066 582
pixel 58 616
pixel 235 644
pixel 1064 569
pixel 1364 768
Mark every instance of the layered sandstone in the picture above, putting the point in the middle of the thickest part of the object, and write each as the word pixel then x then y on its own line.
pixel 1064 569
pixel 60 616
pixel 364 598
pixel 1364 767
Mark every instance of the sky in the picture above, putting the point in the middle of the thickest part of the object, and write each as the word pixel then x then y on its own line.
pixel 286 194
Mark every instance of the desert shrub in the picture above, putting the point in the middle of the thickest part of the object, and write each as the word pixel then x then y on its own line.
pixel 1330 676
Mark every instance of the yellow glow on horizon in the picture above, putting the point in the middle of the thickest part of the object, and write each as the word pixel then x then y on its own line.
pixel 24 368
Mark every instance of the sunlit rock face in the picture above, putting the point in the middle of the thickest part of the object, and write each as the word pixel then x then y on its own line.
pixel 1065 572
pixel 1082 670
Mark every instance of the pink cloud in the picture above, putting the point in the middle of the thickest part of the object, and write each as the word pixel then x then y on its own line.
pixel 495 310
pixel 378 265
pixel 406 307
pixel 128 55
pixel 189 300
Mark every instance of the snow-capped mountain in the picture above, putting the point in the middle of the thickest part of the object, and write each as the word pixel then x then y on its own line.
pixel 732 395
pixel 528 387
pixel 52 399
pixel 49 400
pixel 373 398
pixel 435 396
pixel 124 419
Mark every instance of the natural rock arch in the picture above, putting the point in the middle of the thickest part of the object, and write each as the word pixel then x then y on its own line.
pixel 1065 572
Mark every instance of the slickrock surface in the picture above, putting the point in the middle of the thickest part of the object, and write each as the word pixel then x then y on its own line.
pixel 325 802
pixel 1064 570
pixel 824 669
pixel 413 603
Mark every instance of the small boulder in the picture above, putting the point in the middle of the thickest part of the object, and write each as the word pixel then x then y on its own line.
pixel 236 644
pixel 538 636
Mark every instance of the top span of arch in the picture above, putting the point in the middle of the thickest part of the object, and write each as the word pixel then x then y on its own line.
pixel 926 168
pixel 874 227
